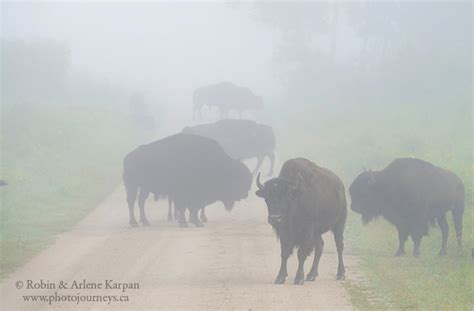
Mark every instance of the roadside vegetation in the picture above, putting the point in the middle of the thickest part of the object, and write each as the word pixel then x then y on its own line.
pixel 62 143
pixel 60 159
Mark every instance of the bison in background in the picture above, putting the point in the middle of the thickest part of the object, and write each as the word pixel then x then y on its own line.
pixel 241 139
pixel 193 170
pixel 410 193
pixel 304 202
pixel 226 96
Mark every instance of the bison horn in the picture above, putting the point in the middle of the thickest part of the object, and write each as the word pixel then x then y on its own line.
pixel 259 184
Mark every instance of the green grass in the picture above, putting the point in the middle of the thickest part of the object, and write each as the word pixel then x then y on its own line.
pixel 59 159
pixel 428 282
pixel 345 142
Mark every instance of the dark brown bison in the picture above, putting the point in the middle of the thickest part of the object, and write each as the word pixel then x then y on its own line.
pixel 304 202
pixel 193 170
pixel 226 96
pixel 410 193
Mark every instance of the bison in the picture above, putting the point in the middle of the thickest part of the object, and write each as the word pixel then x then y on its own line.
pixel 410 194
pixel 241 139
pixel 193 170
pixel 226 96
pixel 304 202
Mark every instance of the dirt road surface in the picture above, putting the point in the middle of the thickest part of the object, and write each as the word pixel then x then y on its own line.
pixel 229 264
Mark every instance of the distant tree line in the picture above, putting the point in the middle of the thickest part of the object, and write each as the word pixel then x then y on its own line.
pixel 418 51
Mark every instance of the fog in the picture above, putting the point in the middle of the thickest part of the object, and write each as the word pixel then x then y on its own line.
pixel 274 48
pixel 351 86
pixel 169 48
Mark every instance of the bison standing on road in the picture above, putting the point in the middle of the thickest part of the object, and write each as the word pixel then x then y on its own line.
pixel 410 193
pixel 193 170
pixel 225 96
pixel 241 139
pixel 304 202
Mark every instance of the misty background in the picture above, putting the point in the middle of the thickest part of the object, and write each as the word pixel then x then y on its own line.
pixel 346 84
pixel 385 53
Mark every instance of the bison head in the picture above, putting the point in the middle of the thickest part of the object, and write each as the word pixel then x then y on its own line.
pixel 363 196
pixel 240 183
pixel 277 193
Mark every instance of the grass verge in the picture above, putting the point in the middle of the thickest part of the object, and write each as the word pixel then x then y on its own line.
pixel 60 160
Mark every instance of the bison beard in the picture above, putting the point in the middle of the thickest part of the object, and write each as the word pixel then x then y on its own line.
pixel 410 194
pixel 304 202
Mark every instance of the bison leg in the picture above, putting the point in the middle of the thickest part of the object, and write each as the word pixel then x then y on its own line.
pixel 224 112
pixel 170 209
pixel 286 251
pixel 197 109
pixel 271 156
pixel 181 213
pixel 259 164
pixel 142 196
pixel 416 237
pixel 132 191
pixel 176 213
pixel 443 224
pixel 318 250
pixel 203 214
pixel 402 237
pixel 339 239
pixel 303 252
pixel 193 217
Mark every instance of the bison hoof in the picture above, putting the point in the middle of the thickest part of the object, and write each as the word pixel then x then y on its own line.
pixel 133 223
pixel 183 224
pixel 280 280
pixel 145 222
pixel 299 281
pixel 340 277
pixel 311 277
pixel 199 224
pixel 170 218
pixel 399 253
pixel 203 218
pixel 442 253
